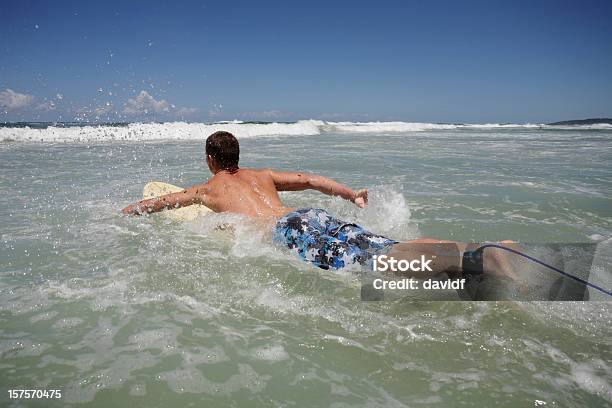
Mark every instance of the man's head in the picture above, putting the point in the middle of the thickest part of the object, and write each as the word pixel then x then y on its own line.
pixel 222 151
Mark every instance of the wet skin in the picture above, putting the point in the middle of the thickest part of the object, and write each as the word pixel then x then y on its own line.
pixel 254 192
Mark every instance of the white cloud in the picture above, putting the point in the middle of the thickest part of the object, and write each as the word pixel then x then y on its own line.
pixel 106 111
pixel 144 104
pixel 103 110
pixel 11 100
pixel 46 106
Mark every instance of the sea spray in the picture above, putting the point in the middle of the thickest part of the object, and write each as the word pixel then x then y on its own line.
pixel 142 132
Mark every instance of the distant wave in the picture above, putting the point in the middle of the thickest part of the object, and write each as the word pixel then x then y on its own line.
pixel 73 132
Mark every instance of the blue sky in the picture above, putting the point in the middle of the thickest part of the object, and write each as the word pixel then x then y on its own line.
pixel 421 61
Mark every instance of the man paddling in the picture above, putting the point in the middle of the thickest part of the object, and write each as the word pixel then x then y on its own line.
pixel 317 236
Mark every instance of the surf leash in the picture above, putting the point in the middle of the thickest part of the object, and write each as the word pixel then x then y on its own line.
pixel 569 275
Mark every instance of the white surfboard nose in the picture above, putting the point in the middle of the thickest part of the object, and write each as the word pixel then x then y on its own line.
pixel 157 188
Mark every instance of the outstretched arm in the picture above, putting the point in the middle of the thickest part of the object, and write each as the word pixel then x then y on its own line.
pixel 290 181
pixel 192 195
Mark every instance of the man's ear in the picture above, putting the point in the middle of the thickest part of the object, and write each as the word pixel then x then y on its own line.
pixel 211 162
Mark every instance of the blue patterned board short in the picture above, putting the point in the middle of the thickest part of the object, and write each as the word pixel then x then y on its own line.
pixel 326 241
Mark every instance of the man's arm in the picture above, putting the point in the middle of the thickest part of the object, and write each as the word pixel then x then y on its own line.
pixel 290 181
pixel 192 195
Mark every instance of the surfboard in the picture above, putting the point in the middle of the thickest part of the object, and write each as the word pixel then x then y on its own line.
pixel 158 188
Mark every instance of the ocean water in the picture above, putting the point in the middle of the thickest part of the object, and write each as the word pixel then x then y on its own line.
pixel 111 309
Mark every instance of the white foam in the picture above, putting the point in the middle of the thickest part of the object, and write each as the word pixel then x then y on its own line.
pixel 242 130
pixel 271 353
pixel 163 339
pixel 67 323
pixel 157 131
pixel 597 237
pixel 586 376
pixel 387 213
pixel 191 380
pixel 22 348
pixel 384 127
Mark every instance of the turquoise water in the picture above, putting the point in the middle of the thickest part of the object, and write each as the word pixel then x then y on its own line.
pixel 111 309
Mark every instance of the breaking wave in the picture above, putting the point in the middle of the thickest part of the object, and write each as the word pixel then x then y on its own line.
pixel 49 132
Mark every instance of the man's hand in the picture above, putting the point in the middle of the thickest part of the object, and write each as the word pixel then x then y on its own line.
pixel 291 181
pixel 131 209
pixel 192 195
pixel 361 198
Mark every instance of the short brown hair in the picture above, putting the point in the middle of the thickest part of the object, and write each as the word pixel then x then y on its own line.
pixel 224 148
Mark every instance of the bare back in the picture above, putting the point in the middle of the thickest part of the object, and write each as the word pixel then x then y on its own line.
pixel 251 192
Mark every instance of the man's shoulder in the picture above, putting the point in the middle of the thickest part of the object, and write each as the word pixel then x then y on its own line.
pixel 202 187
pixel 257 171
pixel 263 175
